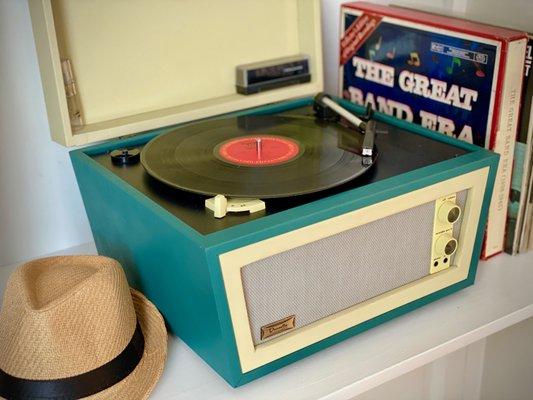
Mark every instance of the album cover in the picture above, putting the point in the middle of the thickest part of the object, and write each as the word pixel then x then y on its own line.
pixel 456 77
pixel 522 162
pixel 526 237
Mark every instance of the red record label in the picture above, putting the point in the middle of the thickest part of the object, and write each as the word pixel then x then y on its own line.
pixel 261 150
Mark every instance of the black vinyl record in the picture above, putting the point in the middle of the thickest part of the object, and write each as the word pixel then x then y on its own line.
pixel 256 156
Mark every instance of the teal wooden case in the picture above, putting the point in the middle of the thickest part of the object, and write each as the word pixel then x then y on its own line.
pixel 179 269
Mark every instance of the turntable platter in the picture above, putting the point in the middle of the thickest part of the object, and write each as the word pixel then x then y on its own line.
pixel 256 156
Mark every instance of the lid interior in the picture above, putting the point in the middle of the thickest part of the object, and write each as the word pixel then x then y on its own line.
pixel 132 58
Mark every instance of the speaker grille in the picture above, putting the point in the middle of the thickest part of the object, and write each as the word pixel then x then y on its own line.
pixel 324 277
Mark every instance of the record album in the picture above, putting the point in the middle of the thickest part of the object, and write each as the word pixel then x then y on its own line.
pixel 256 156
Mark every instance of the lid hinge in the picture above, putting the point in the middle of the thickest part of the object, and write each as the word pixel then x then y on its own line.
pixel 74 110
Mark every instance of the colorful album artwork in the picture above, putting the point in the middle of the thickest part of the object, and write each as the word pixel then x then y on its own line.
pixel 442 81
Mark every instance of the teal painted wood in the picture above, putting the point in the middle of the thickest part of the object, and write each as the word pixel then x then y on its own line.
pixel 178 268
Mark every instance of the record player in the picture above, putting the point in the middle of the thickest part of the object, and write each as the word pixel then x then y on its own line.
pixel 267 226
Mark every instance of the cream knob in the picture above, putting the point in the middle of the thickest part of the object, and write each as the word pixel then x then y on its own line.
pixel 445 245
pixel 449 212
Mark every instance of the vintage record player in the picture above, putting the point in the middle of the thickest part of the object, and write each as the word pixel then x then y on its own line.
pixel 267 226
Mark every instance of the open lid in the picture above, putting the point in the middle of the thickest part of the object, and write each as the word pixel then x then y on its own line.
pixel 139 65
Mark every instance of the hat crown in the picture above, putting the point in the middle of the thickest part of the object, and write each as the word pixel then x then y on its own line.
pixel 64 316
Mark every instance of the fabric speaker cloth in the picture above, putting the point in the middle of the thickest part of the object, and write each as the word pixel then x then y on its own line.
pixel 70 327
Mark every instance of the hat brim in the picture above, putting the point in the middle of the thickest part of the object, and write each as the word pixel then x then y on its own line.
pixel 140 383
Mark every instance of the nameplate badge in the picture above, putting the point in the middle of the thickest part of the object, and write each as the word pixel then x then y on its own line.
pixel 277 327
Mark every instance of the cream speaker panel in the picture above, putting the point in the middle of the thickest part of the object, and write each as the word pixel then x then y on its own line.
pixel 292 290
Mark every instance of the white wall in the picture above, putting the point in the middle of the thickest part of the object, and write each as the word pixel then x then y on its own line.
pixel 40 206
pixel 516 14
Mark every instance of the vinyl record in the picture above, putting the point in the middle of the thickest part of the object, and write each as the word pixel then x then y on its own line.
pixel 255 156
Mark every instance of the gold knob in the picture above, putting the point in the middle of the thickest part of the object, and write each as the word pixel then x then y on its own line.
pixel 445 245
pixel 449 212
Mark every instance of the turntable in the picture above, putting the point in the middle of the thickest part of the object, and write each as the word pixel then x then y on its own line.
pixel 242 227
pixel 264 226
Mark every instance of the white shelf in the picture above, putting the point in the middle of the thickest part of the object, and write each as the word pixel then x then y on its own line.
pixel 502 296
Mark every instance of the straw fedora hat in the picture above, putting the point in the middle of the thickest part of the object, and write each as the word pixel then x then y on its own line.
pixel 70 327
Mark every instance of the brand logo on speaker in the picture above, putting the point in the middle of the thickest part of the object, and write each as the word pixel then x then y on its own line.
pixel 277 327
